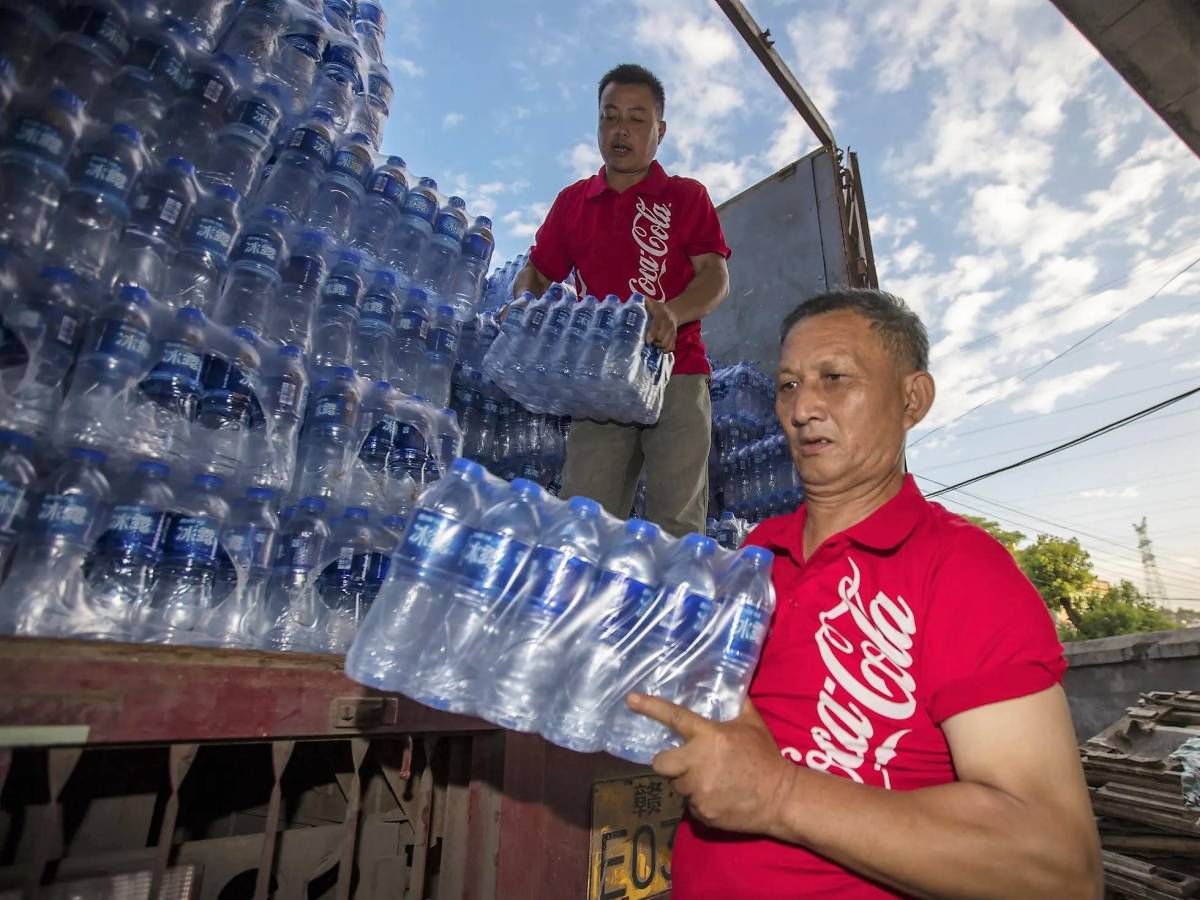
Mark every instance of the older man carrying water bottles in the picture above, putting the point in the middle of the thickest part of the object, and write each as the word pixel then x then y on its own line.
pixel 633 228
pixel 906 732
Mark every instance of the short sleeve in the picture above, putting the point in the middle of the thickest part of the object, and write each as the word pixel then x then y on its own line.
pixel 550 254
pixel 705 234
pixel 989 636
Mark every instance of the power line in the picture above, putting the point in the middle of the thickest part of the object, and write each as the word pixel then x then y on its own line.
pixel 1083 340
pixel 1075 442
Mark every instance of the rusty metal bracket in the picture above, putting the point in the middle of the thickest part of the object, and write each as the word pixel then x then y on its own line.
pixel 281 754
pixel 364 712
pixel 180 762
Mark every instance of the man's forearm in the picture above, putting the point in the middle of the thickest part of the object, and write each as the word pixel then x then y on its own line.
pixel 703 294
pixel 530 279
pixel 960 839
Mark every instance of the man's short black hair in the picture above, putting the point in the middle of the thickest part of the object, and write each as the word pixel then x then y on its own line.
pixel 632 73
pixel 900 329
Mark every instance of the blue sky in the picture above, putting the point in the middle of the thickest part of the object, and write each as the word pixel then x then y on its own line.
pixel 1020 196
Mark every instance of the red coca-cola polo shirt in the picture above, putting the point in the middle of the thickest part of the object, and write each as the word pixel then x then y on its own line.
pixel 639 240
pixel 891 627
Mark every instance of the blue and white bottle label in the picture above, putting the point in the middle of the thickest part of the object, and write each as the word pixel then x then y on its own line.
pixel 490 561
pixel 134 530
pixel 13 500
pixel 312 143
pixel 553 579
pixel 105 174
pixel 433 543
pixel 123 341
pixel 746 635
pixel 192 538
pixel 420 205
pixel 627 599
pixel 258 115
pixel 262 247
pixel 69 515
pixel 41 139
pixel 178 362
pixel 210 234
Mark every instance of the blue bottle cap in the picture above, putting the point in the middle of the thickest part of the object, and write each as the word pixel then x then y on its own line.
pixel 230 193
pixel 449 413
pixel 274 216
pixel 728 514
pixel 397 161
pixel 209 482
pixel 291 350
pixel 153 468
pixel 466 468
pixel 353 257
pixel 584 506
pixel 445 311
pixel 245 334
pixel 57 273
pixel 131 294
pixel 323 116
pixel 126 133
pixel 523 486
pixel 385 277
pixel 383 385
pixel 260 493
pixel 456 203
pixel 343 372
pixel 191 314
pixel 395 522
pixel 418 294
pixel 641 528
pixel 65 99
pixel 428 183
pixel 272 90
pixel 183 165
pixel 87 453
pixel 759 555
pixel 359 138
pixel 313 504
pixel 484 222
pixel 700 544
pixel 224 59
pixel 357 513
pixel 15 438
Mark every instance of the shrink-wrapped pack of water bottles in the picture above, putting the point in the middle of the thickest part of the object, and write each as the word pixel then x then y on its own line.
pixel 542 615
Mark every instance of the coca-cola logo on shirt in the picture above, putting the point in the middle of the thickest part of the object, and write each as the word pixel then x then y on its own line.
pixel 866 650
pixel 651 231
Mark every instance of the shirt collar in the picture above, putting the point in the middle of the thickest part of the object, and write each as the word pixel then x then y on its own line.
pixel 651 186
pixel 884 529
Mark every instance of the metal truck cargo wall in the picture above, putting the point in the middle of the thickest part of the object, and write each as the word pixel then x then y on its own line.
pixel 787 244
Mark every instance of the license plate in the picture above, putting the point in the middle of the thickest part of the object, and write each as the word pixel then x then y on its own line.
pixel 633 828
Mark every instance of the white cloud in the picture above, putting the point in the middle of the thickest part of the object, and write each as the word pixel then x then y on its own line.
pixel 1125 493
pixel 824 46
pixel 1156 331
pixel 523 222
pixel 404 66
pixel 452 119
pixel 1043 396
pixel 583 159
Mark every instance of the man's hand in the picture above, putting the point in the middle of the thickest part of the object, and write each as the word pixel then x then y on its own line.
pixel 664 325
pixel 730 773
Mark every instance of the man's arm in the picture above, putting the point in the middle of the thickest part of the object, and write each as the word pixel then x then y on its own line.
pixel 704 293
pixel 1018 823
pixel 530 279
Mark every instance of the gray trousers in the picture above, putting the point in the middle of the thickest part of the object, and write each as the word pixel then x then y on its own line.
pixel 604 461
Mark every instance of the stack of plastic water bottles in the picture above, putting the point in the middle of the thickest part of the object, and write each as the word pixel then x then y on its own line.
pixel 510 440
pixel 587 359
pixel 218 317
pixel 540 615
pixel 497 291
pixel 751 474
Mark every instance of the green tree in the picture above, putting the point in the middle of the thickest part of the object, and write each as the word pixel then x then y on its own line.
pixel 1120 610
pixel 1009 539
pixel 1061 570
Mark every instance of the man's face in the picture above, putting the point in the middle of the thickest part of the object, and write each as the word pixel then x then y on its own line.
pixel 844 402
pixel 630 128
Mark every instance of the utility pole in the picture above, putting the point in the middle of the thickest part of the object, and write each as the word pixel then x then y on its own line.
pixel 1155 589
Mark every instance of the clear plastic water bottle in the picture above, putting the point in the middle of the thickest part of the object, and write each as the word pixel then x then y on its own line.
pixel 379 425
pixel 628 338
pixel 193 120
pixel 204 18
pixel 338 313
pixel 229 383
pixel 412 331
pixel 446 674
pixel 428 558
pixel 441 350
pixel 41 594
pixel 340 193
pixel 566 359
pixel 247 552
pixel 271 455
pixel 625 587
pixel 369 28
pixel 154 73
pixel 448 438
pixel 544 368
pixel 185 590
pixel 685 607
pixel 745 604
pixel 372 108
pixel 170 393
pixel 381 208
pixel 328 442
pixel 17 480
pixel 120 572
pixel 40 138
pixel 115 354
pixel 95 208
pixel 299 56
pixel 253 35
pixel 162 203
pixel 476 255
pixel 254 278
pixel 299 168
pixel 298 616
pixel 343 584
pixel 527 647
pixel 340 15
pixel 240 148
pixel 92 40
pixel 414 227
pixel 290 320
pixel 199 268
pixel 338 81
pixel 440 255
pixel 376 328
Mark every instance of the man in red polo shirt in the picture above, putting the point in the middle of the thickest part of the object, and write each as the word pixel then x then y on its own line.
pixel 906 732
pixel 633 228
